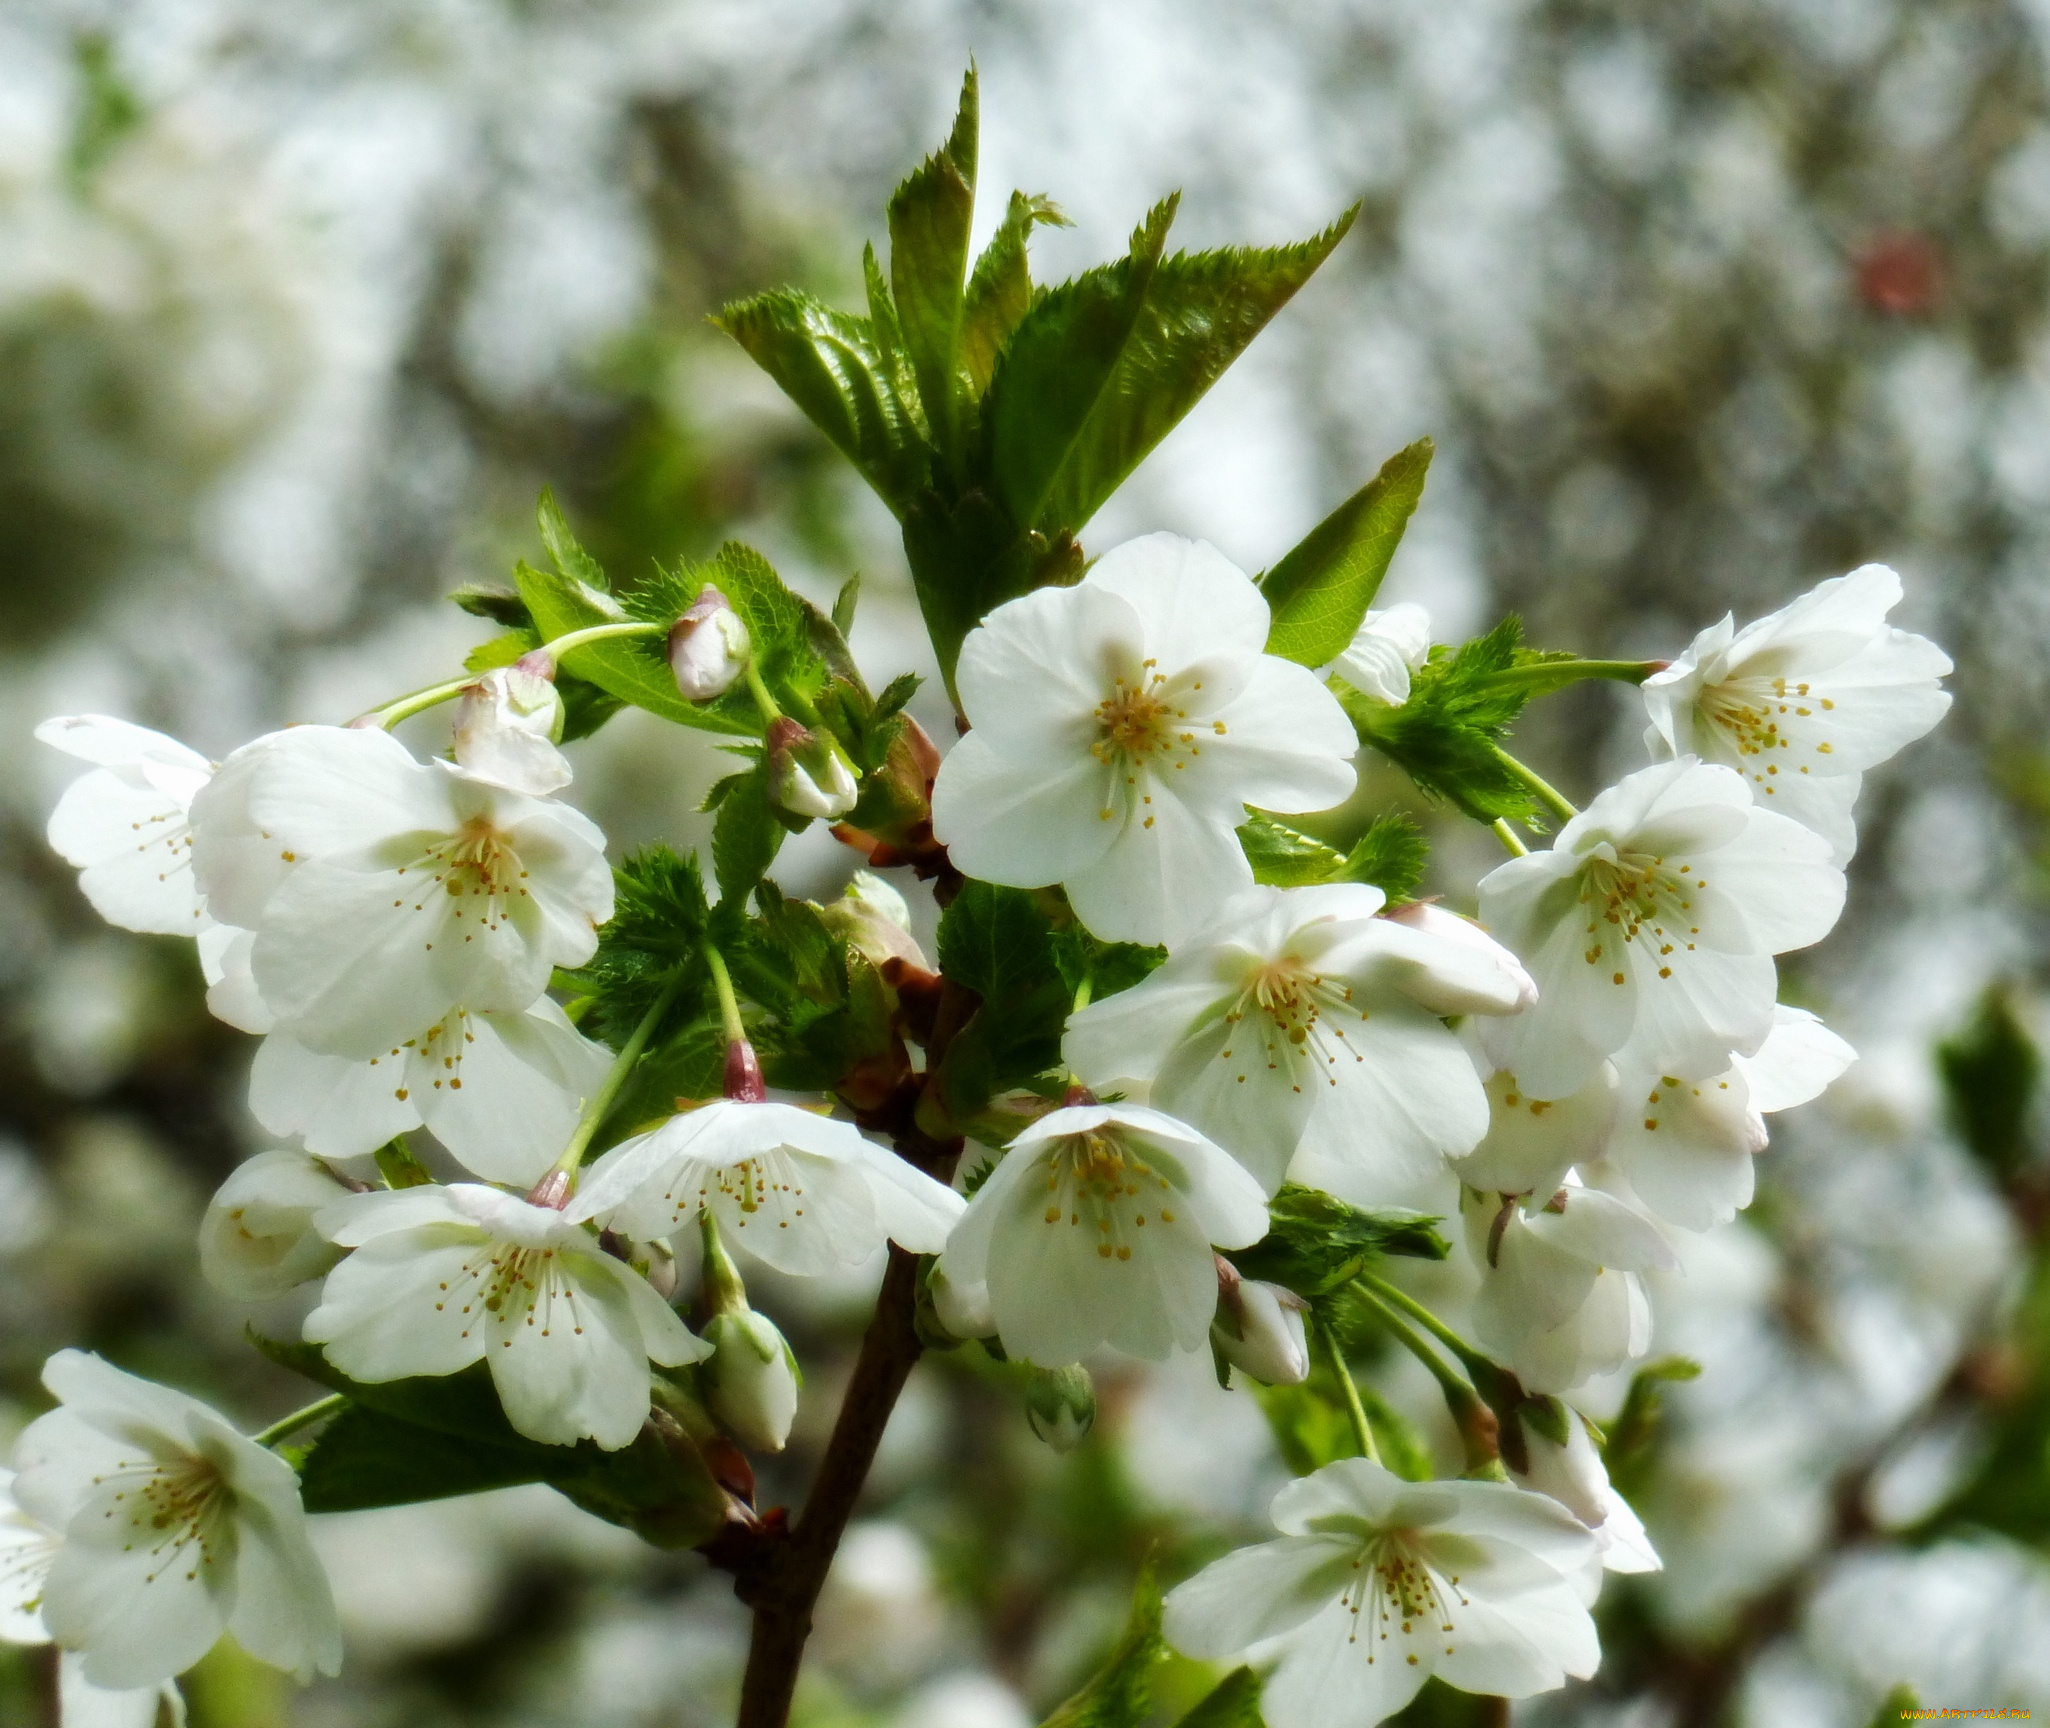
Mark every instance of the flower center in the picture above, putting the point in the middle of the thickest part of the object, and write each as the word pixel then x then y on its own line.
pixel 510 1282
pixel 1393 1587
pixel 1635 896
pixel 477 862
pixel 435 1056
pixel 1142 718
pixel 1287 1017
pixel 1754 714
pixel 753 1190
pixel 1100 1181
pixel 173 1514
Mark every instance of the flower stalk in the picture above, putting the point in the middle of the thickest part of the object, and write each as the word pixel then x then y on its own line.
pixel 318 1411
pixel 1362 1430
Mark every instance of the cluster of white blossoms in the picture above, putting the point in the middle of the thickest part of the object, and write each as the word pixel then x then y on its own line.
pixel 1589 1064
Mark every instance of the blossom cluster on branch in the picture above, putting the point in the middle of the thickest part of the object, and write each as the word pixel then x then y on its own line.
pixel 1177 1077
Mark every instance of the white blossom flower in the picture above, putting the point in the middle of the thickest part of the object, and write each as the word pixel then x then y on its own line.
pixel 176 1528
pixel 1686 1146
pixel 1532 1142
pixel 1803 702
pixel 27 1551
pixel 800 1191
pixel 1560 1300
pixel 124 825
pixel 507 726
pixel 1121 727
pixel 708 646
pixel 1651 924
pixel 1388 646
pixel 258 1237
pixel 502 1091
pixel 1097 1226
pixel 384 892
pixel 1572 1474
pixel 443 1277
pixel 751 1379
pixel 1259 1329
pixel 1300 1027
pixel 1376 1584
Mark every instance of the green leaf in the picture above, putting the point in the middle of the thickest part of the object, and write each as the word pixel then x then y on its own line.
pixel 785 630
pixel 833 367
pixel 745 836
pixel 844 603
pixel 930 214
pixel 1234 1702
pixel 499 604
pixel 1316 1241
pixel 1062 358
pixel 660 925
pixel 1390 855
pixel 1445 735
pixel 1107 967
pixel 999 943
pixel 1898 1706
pixel 1282 858
pixel 364 1458
pixel 570 558
pixel 1122 1689
pixel 1000 291
pixel 1991 1069
pixel 1633 1436
pixel 1201 310
pixel 1321 590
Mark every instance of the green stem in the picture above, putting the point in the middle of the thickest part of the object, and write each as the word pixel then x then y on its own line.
pixel 419 702
pixel 1416 1310
pixel 319 1409
pixel 598 633
pixel 729 1004
pixel 1353 1407
pixel 1417 1345
pixel 760 691
pixel 1551 675
pixel 1507 835
pixel 1548 794
pixel 608 1092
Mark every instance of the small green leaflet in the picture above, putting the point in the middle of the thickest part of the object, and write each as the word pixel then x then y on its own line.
pixel 1322 589
pixel 930 214
pixel 1316 1241
pixel 1119 1694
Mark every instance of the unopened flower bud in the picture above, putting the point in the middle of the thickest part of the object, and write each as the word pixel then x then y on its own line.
pixel 751 1380
pixel 1386 649
pixel 1259 1330
pixel 708 646
pixel 258 1238
pixel 1510 978
pixel 809 774
pixel 1060 1403
pixel 507 726
pixel 963 1308
pixel 872 918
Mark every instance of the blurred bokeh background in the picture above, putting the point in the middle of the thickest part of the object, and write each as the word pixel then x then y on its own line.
pixel 302 303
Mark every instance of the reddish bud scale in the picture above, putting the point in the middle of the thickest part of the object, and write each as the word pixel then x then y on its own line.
pixel 551 1191
pixel 744 1074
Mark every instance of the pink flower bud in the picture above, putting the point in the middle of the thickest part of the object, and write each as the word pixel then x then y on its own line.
pixel 809 774
pixel 744 1073
pixel 708 646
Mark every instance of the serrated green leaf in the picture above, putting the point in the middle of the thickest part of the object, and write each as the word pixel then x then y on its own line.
pixel 364 1458
pixel 745 836
pixel 1200 311
pixel 499 604
pixel 660 925
pixel 1445 736
pixel 894 360
pixel 785 632
pixel 1282 858
pixel 1122 1689
pixel 1106 967
pixel 999 943
pixel 1316 1241
pixel 1391 855
pixel 1234 1702
pixel 570 557
pixel 1061 359
pixel 1322 589
pixel 831 366
pixel 1000 290
pixel 930 215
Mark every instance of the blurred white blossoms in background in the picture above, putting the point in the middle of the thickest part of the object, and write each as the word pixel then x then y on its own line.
pixel 800 1191
pixel 1304 1034
pixel 1804 701
pixel 1385 650
pixel 258 1237
pixel 1121 727
pixel 508 724
pixel 176 1528
pixel 1650 927
pixel 443 1277
pixel 1377 1584
pixel 1560 1300
pixel 1096 1228
pixel 125 825
pixel 385 892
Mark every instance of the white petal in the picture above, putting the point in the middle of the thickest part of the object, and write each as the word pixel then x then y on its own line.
pixel 1781 877
pixel 340 793
pixel 1159 883
pixel 1032 673
pixel 1688 1024
pixel 1797 1061
pixel 132 844
pixel 512 1088
pixel 1286 744
pixel 342 1106
pixel 1194 602
pixel 1686 1146
pixel 231 993
pixel 567 1357
pixel 81 1704
pixel 915 1211
pixel 1257 1593
pixel 1329 1678
pixel 258 1237
pixel 1025 823
pixel 284 1611
pixel 110 743
pixel 405 1304
pixel 1531 1142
